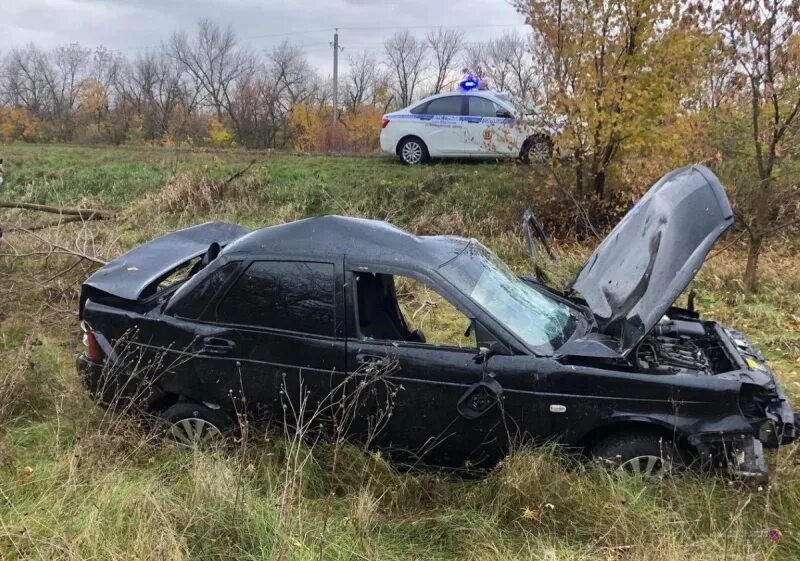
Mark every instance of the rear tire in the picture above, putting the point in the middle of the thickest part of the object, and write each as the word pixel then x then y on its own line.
pixel 639 453
pixel 537 149
pixel 412 151
pixel 195 426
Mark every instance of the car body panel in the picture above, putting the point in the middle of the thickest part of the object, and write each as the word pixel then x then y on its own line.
pixel 649 258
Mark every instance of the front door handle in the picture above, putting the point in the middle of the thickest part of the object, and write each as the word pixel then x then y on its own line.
pixel 363 358
pixel 216 346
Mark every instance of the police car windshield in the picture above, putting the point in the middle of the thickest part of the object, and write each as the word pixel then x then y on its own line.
pixel 539 320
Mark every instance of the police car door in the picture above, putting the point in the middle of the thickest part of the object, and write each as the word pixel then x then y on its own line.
pixel 488 132
pixel 445 132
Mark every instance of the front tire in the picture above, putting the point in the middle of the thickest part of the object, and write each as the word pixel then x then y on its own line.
pixel 638 453
pixel 195 426
pixel 412 151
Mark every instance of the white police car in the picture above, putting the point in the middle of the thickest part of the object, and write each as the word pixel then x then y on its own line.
pixel 463 124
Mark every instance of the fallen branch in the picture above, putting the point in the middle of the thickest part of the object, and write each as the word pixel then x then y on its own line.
pixel 54 249
pixel 238 174
pixel 65 220
pixel 81 213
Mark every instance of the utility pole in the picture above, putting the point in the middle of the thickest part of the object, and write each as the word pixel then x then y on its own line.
pixel 336 76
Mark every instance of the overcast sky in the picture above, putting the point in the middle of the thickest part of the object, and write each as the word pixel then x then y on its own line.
pixel 131 25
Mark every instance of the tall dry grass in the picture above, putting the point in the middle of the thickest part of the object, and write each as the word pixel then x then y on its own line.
pixel 79 482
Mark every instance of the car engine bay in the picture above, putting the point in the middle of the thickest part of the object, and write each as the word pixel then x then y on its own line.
pixel 676 345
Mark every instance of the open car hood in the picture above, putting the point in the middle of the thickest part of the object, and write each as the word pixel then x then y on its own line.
pixel 640 269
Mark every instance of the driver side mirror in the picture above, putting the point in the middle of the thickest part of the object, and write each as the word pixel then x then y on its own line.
pixel 504 114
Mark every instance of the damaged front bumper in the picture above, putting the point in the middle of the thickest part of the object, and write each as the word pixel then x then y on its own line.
pixel 741 455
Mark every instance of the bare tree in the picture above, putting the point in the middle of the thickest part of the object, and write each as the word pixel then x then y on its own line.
pixel 515 52
pixel 215 62
pixel 405 57
pixel 363 80
pixel 154 86
pixel 291 73
pixel 64 73
pixel 293 80
pixel 445 46
pixel 24 84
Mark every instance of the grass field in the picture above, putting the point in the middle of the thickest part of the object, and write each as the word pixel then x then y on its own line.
pixel 78 483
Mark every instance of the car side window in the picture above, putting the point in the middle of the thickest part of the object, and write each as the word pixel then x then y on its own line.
pixel 420 109
pixel 448 105
pixel 193 304
pixel 482 107
pixel 403 309
pixel 288 295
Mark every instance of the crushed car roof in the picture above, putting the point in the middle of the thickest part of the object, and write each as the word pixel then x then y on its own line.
pixel 357 238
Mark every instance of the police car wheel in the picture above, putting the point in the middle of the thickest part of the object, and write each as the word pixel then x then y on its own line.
pixel 538 150
pixel 412 151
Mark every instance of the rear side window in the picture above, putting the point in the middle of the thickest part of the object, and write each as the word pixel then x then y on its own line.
pixel 482 107
pixel 192 305
pixel 288 295
pixel 420 109
pixel 450 105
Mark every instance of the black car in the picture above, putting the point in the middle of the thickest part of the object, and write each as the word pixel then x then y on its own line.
pixel 288 320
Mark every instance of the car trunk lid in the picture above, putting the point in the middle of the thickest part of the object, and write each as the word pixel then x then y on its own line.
pixel 639 270
pixel 130 274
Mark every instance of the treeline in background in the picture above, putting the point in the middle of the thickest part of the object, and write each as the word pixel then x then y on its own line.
pixel 634 88
pixel 205 88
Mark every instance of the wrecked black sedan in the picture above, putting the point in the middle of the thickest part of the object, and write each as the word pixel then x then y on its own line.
pixel 290 322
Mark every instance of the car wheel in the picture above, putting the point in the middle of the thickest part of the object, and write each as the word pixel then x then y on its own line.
pixel 538 149
pixel 195 426
pixel 412 151
pixel 638 453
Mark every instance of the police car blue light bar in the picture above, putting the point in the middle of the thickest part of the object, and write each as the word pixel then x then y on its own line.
pixel 468 83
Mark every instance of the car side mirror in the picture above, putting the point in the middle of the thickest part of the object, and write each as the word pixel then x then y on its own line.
pixel 485 341
pixel 504 114
pixel 485 353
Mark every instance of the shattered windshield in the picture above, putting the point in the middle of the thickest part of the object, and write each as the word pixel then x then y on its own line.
pixel 538 319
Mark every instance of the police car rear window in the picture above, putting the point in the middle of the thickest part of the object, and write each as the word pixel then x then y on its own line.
pixel 450 105
pixel 420 109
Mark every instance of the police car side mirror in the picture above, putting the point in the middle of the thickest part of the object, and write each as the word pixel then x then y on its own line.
pixel 504 114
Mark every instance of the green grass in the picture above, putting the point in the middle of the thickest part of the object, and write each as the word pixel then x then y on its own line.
pixel 76 483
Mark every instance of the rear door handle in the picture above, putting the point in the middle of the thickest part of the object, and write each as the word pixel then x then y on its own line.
pixel 217 346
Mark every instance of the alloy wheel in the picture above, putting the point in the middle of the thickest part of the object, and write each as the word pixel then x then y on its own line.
pixel 195 433
pixel 539 152
pixel 411 152
pixel 647 466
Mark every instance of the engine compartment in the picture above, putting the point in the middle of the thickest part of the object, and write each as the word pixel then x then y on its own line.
pixel 676 345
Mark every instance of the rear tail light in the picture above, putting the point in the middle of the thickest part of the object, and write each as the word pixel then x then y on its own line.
pixel 93 351
pixel 384 122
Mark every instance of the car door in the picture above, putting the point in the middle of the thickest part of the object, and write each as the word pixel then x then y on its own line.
pixel 184 345
pixel 412 406
pixel 280 330
pixel 443 129
pixel 488 132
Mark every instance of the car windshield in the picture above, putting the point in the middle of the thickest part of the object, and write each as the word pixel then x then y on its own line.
pixel 541 321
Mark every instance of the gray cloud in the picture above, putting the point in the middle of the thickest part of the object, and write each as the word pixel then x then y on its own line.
pixel 129 25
